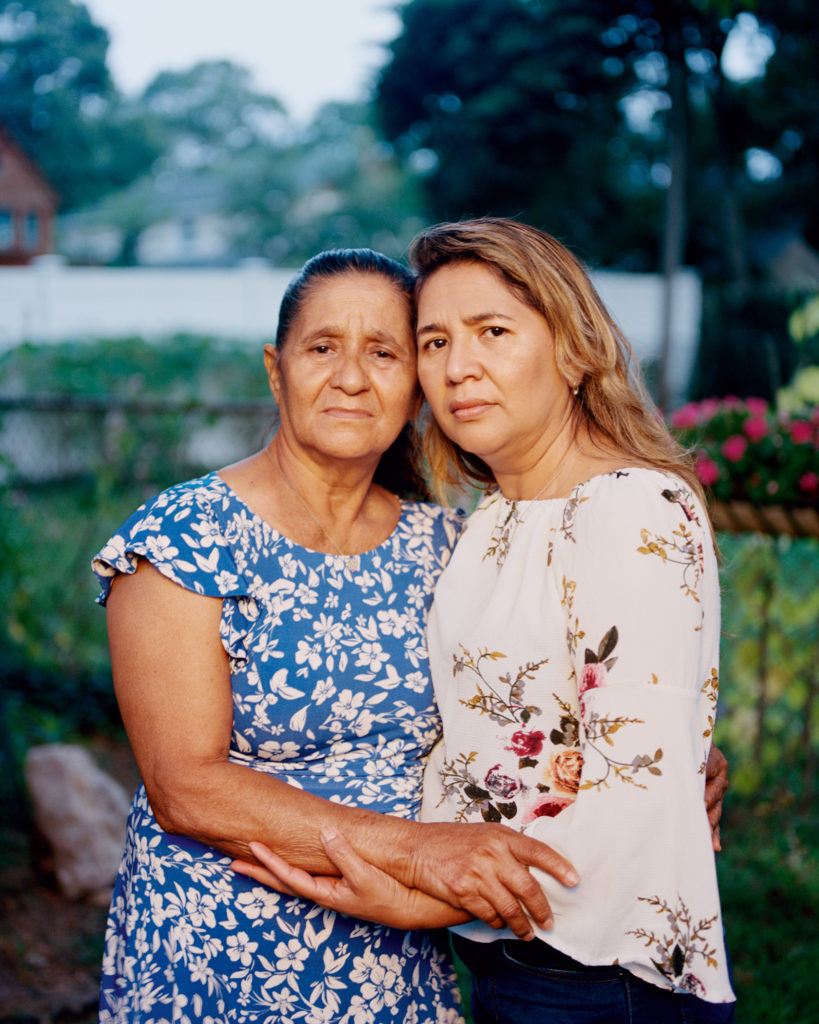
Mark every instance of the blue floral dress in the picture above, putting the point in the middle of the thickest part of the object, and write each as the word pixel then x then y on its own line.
pixel 331 692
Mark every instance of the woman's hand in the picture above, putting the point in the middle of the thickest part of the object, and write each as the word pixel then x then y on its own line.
pixel 716 783
pixel 363 891
pixel 482 869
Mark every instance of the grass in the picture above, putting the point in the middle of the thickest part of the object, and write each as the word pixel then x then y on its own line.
pixel 769 883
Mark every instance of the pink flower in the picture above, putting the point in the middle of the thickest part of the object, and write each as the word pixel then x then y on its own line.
pixel 809 482
pixel 545 807
pixel 686 416
pixel 526 744
pixel 593 674
pixel 707 469
pixel 709 407
pixel 734 448
pixel 755 429
pixel 757 407
pixel 500 784
pixel 801 432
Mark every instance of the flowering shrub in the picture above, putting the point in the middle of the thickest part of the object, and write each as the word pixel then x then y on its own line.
pixel 745 450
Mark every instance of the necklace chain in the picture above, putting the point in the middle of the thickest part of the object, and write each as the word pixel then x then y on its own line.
pixel 351 561
pixel 561 466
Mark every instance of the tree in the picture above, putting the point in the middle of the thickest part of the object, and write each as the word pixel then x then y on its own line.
pixel 336 184
pixel 509 115
pixel 618 128
pixel 57 99
pixel 210 112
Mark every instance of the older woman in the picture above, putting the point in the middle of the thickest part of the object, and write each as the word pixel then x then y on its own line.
pixel 573 641
pixel 267 634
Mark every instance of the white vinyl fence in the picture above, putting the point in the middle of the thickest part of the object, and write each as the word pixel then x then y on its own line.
pixel 50 301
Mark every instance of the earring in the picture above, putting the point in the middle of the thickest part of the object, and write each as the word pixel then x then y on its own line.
pixel 575 390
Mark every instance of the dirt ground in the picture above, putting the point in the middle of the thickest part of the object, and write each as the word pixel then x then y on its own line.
pixel 50 947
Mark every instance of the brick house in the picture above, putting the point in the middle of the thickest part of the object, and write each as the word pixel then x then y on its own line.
pixel 27 206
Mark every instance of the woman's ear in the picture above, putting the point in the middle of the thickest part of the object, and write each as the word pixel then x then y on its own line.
pixel 271 364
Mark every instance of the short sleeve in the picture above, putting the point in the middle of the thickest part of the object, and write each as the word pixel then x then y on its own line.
pixel 640 594
pixel 182 533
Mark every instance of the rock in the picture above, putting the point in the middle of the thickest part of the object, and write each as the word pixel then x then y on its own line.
pixel 81 811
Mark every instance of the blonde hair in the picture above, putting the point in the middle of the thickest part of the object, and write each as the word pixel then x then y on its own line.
pixel 590 349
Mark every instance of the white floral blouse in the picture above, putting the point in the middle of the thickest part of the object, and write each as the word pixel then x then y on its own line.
pixel 574 651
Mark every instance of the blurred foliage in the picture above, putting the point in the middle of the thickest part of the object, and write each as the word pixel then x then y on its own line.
pixel 768 726
pixel 335 184
pixel 514 115
pixel 94 463
pixel 769 888
pixel 577 125
pixel 57 99
pixel 747 451
pixel 630 130
pixel 770 657
pixel 184 367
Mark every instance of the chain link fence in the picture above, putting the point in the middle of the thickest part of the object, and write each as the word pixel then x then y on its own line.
pixel 51 439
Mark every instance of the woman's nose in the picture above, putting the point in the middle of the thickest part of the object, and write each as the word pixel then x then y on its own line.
pixel 351 374
pixel 462 362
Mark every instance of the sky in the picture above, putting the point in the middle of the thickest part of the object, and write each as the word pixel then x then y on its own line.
pixel 304 52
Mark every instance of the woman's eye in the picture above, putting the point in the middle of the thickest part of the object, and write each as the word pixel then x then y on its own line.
pixel 496 332
pixel 434 344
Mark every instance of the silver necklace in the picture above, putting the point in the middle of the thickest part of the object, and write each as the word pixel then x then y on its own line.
pixel 562 465
pixel 352 562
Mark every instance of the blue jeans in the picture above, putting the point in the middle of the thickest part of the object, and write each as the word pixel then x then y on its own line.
pixel 516 982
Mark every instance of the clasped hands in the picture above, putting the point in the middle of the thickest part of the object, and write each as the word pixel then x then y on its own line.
pixel 458 872
pixel 467 871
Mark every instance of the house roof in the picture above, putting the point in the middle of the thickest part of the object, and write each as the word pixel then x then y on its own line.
pixel 20 177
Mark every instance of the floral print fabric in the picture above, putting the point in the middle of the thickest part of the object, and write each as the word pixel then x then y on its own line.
pixel 574 650
pixel 331 693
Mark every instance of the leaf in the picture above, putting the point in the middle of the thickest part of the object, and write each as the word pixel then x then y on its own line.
pixel 591 657
pixel 658 755
pixel 491 813
pixel 607 644
pixel 298 719
pixel 556 737
pixel 527 762
pixel 475 792
pixel 654 771
pixel 508 810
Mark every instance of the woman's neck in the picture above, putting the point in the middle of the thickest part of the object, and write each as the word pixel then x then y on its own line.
pixel 559 466
pixel 336 490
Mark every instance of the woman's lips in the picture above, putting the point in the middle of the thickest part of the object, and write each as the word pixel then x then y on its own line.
pixel 348 414
pixel 469 410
